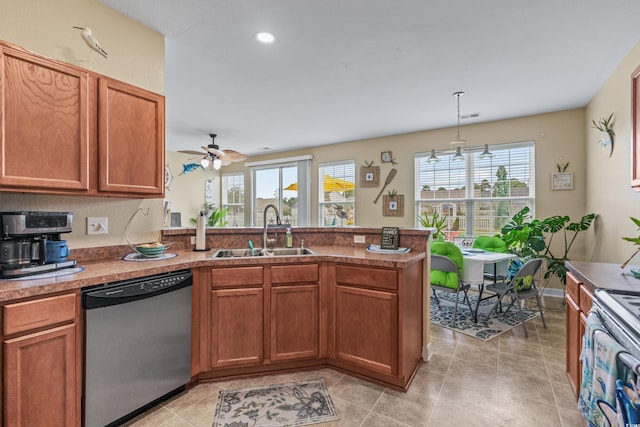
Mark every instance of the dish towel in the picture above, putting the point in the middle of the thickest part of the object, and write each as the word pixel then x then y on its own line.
pixel 587 358
pixel 598 393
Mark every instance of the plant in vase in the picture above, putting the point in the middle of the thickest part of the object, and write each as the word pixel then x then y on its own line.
pixel 434 221
pixel 635 241
pixel 605 126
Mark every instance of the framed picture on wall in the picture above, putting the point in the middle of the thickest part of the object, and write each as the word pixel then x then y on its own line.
pixel 562 181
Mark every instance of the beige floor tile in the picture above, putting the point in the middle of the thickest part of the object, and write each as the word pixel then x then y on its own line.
pixel 356 391
pixel 522 364
pixel 527 413
pixel 554 354
pixel 485 353
pixel 458 414
pixel 412 409
pixel 438 363
pixel 200 414
pixel 514 387
pixel 474 384
pixel 376 420
pixel 191 396
pixel 350 415
pixel 442 346
pixel 564 396
pixel 329 376
pixel 427 383
pixel 557 372
pixel 152 418
pixel 177 422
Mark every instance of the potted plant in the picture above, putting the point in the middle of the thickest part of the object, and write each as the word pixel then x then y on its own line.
pixel 634 240
pixel 605 126
pixel 434 221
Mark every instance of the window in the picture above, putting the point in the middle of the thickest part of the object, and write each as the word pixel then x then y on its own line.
pixel 336 193
pixel 233 198
pixel 478 196
pixel 284 184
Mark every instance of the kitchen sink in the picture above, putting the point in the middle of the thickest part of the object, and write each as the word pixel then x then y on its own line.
pixel 247 253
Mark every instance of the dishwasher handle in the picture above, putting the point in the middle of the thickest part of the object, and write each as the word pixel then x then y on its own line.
pixel 135 290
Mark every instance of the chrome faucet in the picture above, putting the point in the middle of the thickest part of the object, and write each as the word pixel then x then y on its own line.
pixel 265 240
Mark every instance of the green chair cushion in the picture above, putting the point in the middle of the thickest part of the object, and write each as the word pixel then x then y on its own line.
pixel 442 278
pixel 490 243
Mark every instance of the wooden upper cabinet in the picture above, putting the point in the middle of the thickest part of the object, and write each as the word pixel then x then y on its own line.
pixel 44 142
pixel 130 139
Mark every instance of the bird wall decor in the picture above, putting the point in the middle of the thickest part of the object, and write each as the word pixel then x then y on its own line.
pixel 91 41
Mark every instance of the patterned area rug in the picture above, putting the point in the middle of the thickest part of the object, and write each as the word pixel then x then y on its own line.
pixel 279 405
pixel 497 324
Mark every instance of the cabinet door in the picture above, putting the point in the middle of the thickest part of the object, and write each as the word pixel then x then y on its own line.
pixel 130 139
pixel 294 322
pixel 40 379
pixel 44 110
pixel 367 328
pixel 574 342
pixel 236 327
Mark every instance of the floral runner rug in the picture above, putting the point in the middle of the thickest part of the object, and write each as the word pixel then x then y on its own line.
pixel 291 404
pixel 497 324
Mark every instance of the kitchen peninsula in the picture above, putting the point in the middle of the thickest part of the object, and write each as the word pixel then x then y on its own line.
pixel 343 307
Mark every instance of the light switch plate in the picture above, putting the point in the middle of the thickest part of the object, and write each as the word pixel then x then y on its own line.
pixel 97 225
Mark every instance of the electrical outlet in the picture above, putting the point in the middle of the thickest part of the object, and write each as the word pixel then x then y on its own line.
pixel 193 240
pixel 358 239
pixel 97 225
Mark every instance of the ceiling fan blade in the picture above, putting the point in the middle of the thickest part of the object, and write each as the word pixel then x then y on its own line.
pixel 226 162
pixel 215 151
pixel 199 153
pixel 234 155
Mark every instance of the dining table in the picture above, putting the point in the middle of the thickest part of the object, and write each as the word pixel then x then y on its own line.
pixel 473 270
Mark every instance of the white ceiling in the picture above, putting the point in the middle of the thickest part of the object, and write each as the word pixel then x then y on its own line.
pixel 343 70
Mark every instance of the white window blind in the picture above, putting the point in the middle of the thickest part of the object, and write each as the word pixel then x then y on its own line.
pixel 233 198
pixel 336 193
pixel 478 196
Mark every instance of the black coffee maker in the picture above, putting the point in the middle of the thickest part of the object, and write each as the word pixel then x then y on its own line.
pixel 30 242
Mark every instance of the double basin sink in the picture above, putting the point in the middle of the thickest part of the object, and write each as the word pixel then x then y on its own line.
pixel 258 252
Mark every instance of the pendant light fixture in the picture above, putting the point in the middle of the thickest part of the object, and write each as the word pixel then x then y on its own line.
pixel 458 144
pixel 486 154
pixel 433 158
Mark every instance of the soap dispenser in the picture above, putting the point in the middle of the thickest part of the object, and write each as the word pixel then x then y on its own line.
pixel 288 239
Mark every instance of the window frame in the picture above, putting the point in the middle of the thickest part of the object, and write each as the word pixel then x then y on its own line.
pixel 472 202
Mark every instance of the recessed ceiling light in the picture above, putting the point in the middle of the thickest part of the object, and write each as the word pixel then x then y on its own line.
pixel 265 37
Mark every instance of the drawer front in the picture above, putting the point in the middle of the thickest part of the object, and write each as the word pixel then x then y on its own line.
pixel 299 273
pixel 368 277
pixel 573 287
pixel 28 315
pixel 586 299
pixel 236 276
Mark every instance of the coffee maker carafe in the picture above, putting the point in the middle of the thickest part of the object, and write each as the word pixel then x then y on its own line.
pixel 31 244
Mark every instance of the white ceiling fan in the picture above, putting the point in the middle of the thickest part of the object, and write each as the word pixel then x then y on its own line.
pixel 214 155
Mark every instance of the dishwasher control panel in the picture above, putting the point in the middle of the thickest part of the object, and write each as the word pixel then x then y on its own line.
pixel 135 289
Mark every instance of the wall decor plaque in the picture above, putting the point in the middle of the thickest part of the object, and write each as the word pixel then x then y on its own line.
pixel 390 238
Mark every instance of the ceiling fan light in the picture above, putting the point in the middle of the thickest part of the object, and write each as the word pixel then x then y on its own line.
pixel 458 156
pixel 217 163
pixel 486 154
pixel 433 158
pixel 204 162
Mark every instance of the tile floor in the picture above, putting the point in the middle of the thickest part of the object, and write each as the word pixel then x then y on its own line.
pixel 508 381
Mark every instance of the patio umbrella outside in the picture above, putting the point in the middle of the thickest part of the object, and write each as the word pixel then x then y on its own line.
pixel 330 184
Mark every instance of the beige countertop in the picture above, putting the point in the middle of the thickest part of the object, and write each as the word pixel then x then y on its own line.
pixel 105 271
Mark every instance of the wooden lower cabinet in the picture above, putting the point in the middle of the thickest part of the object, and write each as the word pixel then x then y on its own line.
pixel 574 342
pixel 294 322
pixel 367 328
pixel 236 327
pixel 41 355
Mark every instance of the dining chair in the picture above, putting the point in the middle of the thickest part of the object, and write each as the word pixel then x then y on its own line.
pixel 498 271
pixel 446 274
pixel 521 287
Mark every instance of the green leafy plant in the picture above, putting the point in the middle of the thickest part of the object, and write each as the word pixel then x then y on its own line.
pixel 392 194
pixel 217 217
pixel 434 221
pixel 368 163
pixel 528 237
pixel 634 240
pixel 562 168
pixel 605 125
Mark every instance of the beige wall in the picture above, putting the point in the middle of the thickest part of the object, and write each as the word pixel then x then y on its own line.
pixel 608 180
pixel 555 134
pixel 136 56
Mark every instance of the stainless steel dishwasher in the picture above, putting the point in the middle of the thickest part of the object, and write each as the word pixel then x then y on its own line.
pixel 137 345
